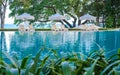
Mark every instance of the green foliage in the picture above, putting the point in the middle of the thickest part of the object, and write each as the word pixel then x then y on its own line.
pixel 119 53
pixel 110 65
pixel 42 9
pixel 116 70
pixel 66 68
pixel 90 70
pixel 72 64
pixel 109 22
pixel 24 62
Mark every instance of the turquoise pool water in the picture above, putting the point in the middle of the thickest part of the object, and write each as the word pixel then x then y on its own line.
pixel 63 42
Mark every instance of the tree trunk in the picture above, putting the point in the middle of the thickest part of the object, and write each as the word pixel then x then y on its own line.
pixel 3 6
pixel 2 23
pixel 114 22
pixel 0 14
pixel 103 21
pixel 68 23
pixel 79 22
pixel 97 19
pixel 63 24
pixel 74 22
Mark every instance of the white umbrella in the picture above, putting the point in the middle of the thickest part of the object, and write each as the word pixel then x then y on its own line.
pixel 56 17
pixel 25 16
pixel 87 17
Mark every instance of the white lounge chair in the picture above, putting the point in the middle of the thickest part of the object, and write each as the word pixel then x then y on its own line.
pixel 21 29
pixel 62 28
pixel 31 29
pixel 54 28
pixel 93 28
pixel 84 28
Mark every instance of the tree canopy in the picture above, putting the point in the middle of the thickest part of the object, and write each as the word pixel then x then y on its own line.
pixel 42 9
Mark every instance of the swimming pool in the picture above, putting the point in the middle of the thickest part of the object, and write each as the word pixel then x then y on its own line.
pixel 63 42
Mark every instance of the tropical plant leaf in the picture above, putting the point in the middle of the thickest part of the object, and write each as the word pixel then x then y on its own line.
pixel 8 71
pixel 3 63
pixel 24 61
pixel 36 61
pixel 79 69
pixel 66 68
pixel 109 66
pixel 14 62
pixel 39 70
pixel 119 53
pixel 72 59
pixel 14 71
pixel 116 70
pixel 90 70
pixel 27 70
pixel 82 56
pixel 2 69
pixel 44 60
pixel 54 52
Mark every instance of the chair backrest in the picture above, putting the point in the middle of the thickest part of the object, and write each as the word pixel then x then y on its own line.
pixel 30 27
pixel 54 27
pixel 84 26
pixel 62 26
pixel 21 27
pixel 92 26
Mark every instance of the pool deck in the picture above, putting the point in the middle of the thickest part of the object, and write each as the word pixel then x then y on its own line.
pixel 70 29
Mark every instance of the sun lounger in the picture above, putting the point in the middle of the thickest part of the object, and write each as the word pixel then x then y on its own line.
pixel 54 28
pixel 84 28
pixel 21 29
pixel 62 28
pixel 31 28
pixel 93 28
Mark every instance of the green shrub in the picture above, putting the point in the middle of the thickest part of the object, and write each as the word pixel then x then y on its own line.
pixel 72 64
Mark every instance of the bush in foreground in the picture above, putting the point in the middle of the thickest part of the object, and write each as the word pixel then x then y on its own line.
pixel 71 64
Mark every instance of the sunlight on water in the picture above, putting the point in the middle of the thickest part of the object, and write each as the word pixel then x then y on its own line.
pixel 8 36
pixel 63 42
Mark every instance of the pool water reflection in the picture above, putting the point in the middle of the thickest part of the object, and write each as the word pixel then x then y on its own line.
pixel 63 42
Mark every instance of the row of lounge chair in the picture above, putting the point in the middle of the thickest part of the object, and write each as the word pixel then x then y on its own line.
pixel 61 28
pixel 22 29
pixel 89 28
pixel 31 29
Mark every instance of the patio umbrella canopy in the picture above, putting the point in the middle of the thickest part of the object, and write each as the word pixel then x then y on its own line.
pixel 87 17
pixel 56 17
pixel 25 16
